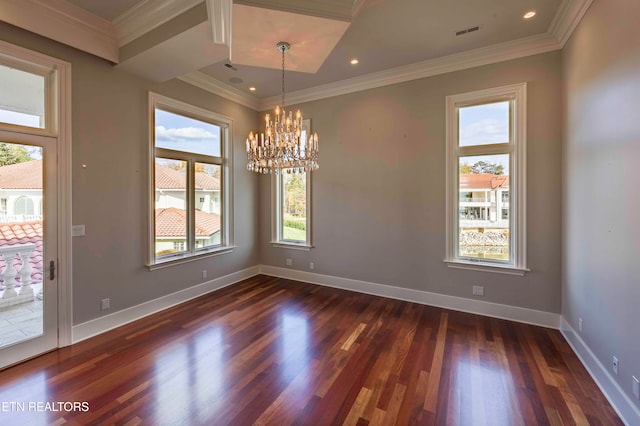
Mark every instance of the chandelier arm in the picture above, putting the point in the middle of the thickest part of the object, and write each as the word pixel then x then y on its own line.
pixel 281 146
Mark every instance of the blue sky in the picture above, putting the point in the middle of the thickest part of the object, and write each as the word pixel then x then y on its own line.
pixel 186 134
pixel 483 125
pixel 19 118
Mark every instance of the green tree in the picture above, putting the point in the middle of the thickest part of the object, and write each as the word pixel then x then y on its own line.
pixel 13 154
pixel 490 168
pixel 465 169
pixel 295 202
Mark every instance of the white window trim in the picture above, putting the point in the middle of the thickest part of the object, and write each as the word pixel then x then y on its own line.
pixel 517 177
pixel 226 128
pixel 276 214
pixel 276 209
pixel 58 124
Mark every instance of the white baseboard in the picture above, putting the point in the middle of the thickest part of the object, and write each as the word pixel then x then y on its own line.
pixel 496 310
pixel 619 400
pixel 108 322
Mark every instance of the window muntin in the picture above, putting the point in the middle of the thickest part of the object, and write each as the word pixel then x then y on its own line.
pixel 190 213
pixel 23 101
pixel 486 137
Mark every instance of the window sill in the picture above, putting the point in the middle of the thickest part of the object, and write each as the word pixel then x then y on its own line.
pixel 190 257
pixel 291 245
pixel 486 267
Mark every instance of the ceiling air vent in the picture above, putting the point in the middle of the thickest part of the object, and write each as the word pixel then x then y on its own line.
pixel 468 30
pixel 228 65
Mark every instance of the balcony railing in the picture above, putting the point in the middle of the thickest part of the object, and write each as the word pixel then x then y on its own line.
pixel 474 200
pixel 481 223
pixel 18 218
pixel 16 275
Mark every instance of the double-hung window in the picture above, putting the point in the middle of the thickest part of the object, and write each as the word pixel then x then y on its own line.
pixel 486 173
pixel 291 206
pixel 190 208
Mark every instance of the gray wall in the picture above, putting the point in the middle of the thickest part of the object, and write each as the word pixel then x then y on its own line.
pixel 379 195
pixel 601 229
pixel 110 136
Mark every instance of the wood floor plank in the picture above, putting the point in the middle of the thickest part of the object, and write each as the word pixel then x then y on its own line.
pixel 271 351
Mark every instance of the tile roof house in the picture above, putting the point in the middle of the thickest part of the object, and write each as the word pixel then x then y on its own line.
pixel 26 175
pixel 171 219
pixel 19 182
pixel 483 181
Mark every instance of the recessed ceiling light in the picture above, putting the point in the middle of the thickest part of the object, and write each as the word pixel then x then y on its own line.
pixel 354 61
pixel 253 89
pixel 530 14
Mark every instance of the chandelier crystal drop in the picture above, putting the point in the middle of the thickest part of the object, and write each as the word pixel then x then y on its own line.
pixel 282 145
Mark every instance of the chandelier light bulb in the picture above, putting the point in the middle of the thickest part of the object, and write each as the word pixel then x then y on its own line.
pixel 281 146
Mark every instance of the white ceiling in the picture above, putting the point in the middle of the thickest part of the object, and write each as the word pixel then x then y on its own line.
pixel 384 35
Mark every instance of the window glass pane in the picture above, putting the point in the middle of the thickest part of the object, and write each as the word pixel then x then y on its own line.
pixel 208 207
pixel 294 207
pixel 484 124
pixel 170 206
pixel 186 134
pixel 22 98
pixel 21 240
pixel 484 227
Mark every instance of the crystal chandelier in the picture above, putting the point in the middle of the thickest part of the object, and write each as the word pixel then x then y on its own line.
pixel 282 145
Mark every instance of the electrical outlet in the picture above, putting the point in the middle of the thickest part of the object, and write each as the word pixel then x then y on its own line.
pixel 478 290
pixel 636 387
pixel 580 324
pixel 311 265
pixel 289 262
pixel 105 304
pixel 204 274
pixel 615 365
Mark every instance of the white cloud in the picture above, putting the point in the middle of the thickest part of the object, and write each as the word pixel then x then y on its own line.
pixel 484 132
pixel 184 134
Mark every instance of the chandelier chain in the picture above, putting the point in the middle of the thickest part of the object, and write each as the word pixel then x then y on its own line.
pixel 283 77
pixel 285 145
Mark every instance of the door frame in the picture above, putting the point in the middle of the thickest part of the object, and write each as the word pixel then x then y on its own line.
pixel 59 103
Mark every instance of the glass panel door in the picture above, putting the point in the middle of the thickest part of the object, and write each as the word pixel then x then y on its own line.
pixel 28 245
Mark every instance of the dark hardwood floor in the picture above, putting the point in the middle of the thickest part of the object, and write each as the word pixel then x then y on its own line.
pixel 274 351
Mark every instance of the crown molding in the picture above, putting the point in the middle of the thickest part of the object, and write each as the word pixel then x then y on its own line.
pixel 203 81
pixel 342 10
pixel 148 15
pixel 460 61
pixel 569 15
pixel 64 22
pixel 483 56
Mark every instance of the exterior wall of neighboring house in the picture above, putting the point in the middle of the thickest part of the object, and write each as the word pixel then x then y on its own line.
pixel 20 205
pixel 484 208
pixel 206 200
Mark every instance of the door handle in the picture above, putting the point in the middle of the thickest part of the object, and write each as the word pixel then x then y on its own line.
pixel 52 270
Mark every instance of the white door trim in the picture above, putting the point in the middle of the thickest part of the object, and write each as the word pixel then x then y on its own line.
pixel 61 128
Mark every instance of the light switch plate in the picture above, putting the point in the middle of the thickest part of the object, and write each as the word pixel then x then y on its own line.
pixel 77 231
